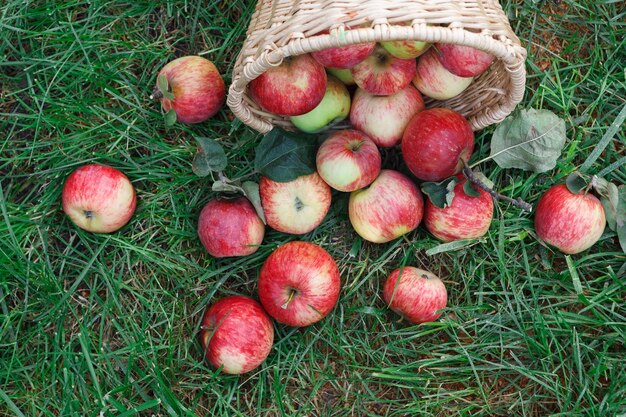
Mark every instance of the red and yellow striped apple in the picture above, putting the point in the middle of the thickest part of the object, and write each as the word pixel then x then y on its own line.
pixel 389 208
pixel 467 217
pixel 343 57
pixel 294 87
pixel 384 118
pixel 570 222
pixel 382 74
pixel 415 294
pixel 436 142
pixel 299 283
pixel 236 334
pixel 348 160
pixel 98 198
pixel 435 81
pixel 463 61
pixel 230 227
pixel 297 206
pixel 197 86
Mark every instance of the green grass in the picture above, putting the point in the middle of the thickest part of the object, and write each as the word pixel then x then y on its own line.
pixel 106 325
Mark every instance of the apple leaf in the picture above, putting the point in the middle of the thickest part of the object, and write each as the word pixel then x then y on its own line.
pixel 164 87
pixel 440 193
pixel 529 139
pixel 221 186
pixel 609 196
pixel 620 216
pixel 210 157
pixel 576 182
pixel 170 118
pixel 251 191
pixel 470 189
pixel 284 156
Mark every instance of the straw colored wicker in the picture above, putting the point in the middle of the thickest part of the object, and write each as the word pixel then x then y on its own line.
pixel 283 28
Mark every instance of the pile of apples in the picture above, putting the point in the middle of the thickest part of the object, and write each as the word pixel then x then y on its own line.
pixel 299 283
pixel 390 79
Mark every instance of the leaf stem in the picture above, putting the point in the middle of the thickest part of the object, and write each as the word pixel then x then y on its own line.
pixel 467 170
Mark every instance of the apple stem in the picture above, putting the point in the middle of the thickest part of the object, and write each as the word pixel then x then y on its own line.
pixel 292 293
pixel 156 94
pixel 467 170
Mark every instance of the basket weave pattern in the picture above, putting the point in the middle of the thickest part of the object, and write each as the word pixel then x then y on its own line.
pixel 283 28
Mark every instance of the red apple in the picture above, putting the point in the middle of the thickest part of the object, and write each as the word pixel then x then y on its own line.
pixel 389 208
pixel 466 218
pixel 299 284
pixel 196 87
pixel 343 57
pixel 570 222
pixel 382 74
pixel 230 227
pixel 415 294
pixel 435 81
pixel 293 88
pixel 236 334
pixel 98 198
pixel 436 142
pixel 297 206
pixel 384 118
pixel 348 160
pixel 463 61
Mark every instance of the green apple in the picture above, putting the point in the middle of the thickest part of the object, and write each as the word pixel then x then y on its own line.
pixel 343 74
pixel 334 107
pixel 405 49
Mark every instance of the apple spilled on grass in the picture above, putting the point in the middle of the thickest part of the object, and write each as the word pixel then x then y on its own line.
pixel 98 198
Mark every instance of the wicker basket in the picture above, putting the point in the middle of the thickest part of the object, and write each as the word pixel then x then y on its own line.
pixel 282 28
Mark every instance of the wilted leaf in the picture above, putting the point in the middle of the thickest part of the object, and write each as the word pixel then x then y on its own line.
pixel 620 216
pixel 440 193
pixel 170 118
pixel 210 157
pixel 609 196
pixel 529 139
pixel 576 182
pixel 220 186
pixel 251 190
pixel 284 156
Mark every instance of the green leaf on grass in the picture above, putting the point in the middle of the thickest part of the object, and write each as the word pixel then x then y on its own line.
pixel 440 193
pixel 170 118
pixel 284 156
pixel 251 191
pixel 576 182
pixel 620 216
pixel 164 87
pixel 209 157
pixel 529 139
